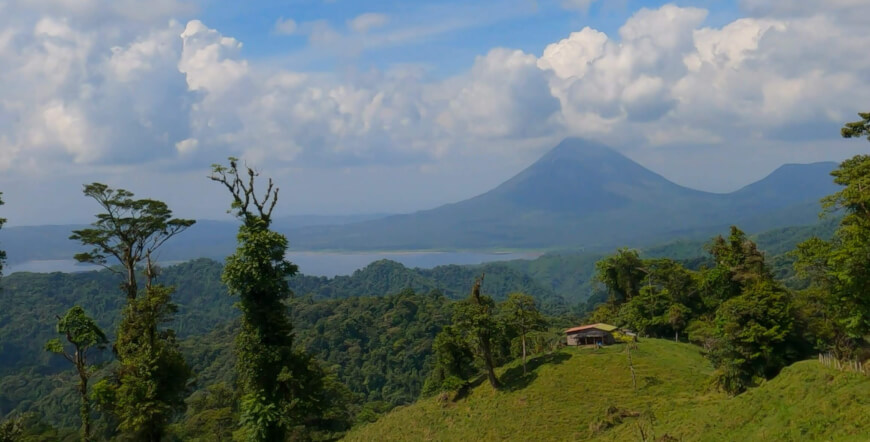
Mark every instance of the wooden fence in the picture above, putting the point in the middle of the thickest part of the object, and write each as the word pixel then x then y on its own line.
pixel 828 360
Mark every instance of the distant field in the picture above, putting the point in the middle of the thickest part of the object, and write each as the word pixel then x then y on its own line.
pixel 586 394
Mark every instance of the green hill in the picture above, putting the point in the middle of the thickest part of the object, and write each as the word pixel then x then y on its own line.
pixel 586 394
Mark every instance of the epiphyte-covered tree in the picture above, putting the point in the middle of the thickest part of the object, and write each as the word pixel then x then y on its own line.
pixel 520 313
pixel 257 273
pixel 83 334
pixel 150 383
pixel 153 379
pixel 475 318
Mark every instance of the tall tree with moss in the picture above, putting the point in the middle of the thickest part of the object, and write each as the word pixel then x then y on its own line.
pixel 257 273
pixel 84 335
pixel 150 383
pixel 475 318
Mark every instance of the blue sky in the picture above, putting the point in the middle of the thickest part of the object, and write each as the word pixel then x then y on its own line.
pixel 342 100
pixel 469 28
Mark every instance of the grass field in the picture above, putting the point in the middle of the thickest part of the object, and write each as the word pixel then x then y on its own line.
pixel 588 394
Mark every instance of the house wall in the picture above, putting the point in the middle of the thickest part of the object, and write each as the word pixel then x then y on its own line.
pixel 593 334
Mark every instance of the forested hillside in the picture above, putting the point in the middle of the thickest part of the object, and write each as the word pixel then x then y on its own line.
pixel 559 282
pixel 375 328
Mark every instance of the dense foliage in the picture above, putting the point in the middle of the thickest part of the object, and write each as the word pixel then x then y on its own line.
pixel 483 335
pixel 735 309
pixel 83 334
pixel 389 277
pixel 380 346
pixel 835 303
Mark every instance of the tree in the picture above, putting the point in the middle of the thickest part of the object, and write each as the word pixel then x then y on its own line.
pixel 678 318
pixel 750 334
pixel 11 429
pixel 83 333
pixel 520 313
pixel 817 306
pixel 474 317
pixel 211 415
pixel 149 385
pixel 752 314
pixel 153 377
pixel 859 128
pixel 738 262
pixel 129 230
pixel 622 274
pixel 257 273
pixel 836 304
pixel 848 264
pixel 454 362
pixel 655 297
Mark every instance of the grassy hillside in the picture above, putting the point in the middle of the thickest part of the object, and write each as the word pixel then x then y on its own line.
pixel 586 394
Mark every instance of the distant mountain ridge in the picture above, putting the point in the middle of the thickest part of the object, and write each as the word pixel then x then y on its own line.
pixel 579 195
pixel 583 194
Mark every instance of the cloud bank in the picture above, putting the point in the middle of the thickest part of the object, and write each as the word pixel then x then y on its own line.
pixel 96 83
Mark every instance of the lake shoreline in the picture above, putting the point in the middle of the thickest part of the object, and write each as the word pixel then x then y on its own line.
pixel 319 262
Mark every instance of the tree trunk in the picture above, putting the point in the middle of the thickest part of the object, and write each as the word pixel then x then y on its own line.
pixel 130 286
pixel 85 409
pixel 490 366
pixel 524 353
pixel 676 336
pixel 490 374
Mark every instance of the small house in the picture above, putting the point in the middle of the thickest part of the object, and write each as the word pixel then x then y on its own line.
pixel 591 334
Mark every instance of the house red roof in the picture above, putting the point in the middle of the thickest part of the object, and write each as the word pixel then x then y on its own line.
pixel 599 326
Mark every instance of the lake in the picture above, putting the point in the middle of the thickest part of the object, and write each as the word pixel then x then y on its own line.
pixel 316 263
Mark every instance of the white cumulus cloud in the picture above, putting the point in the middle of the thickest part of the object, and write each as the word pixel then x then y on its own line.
pixel 369 20
pixel 285 26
